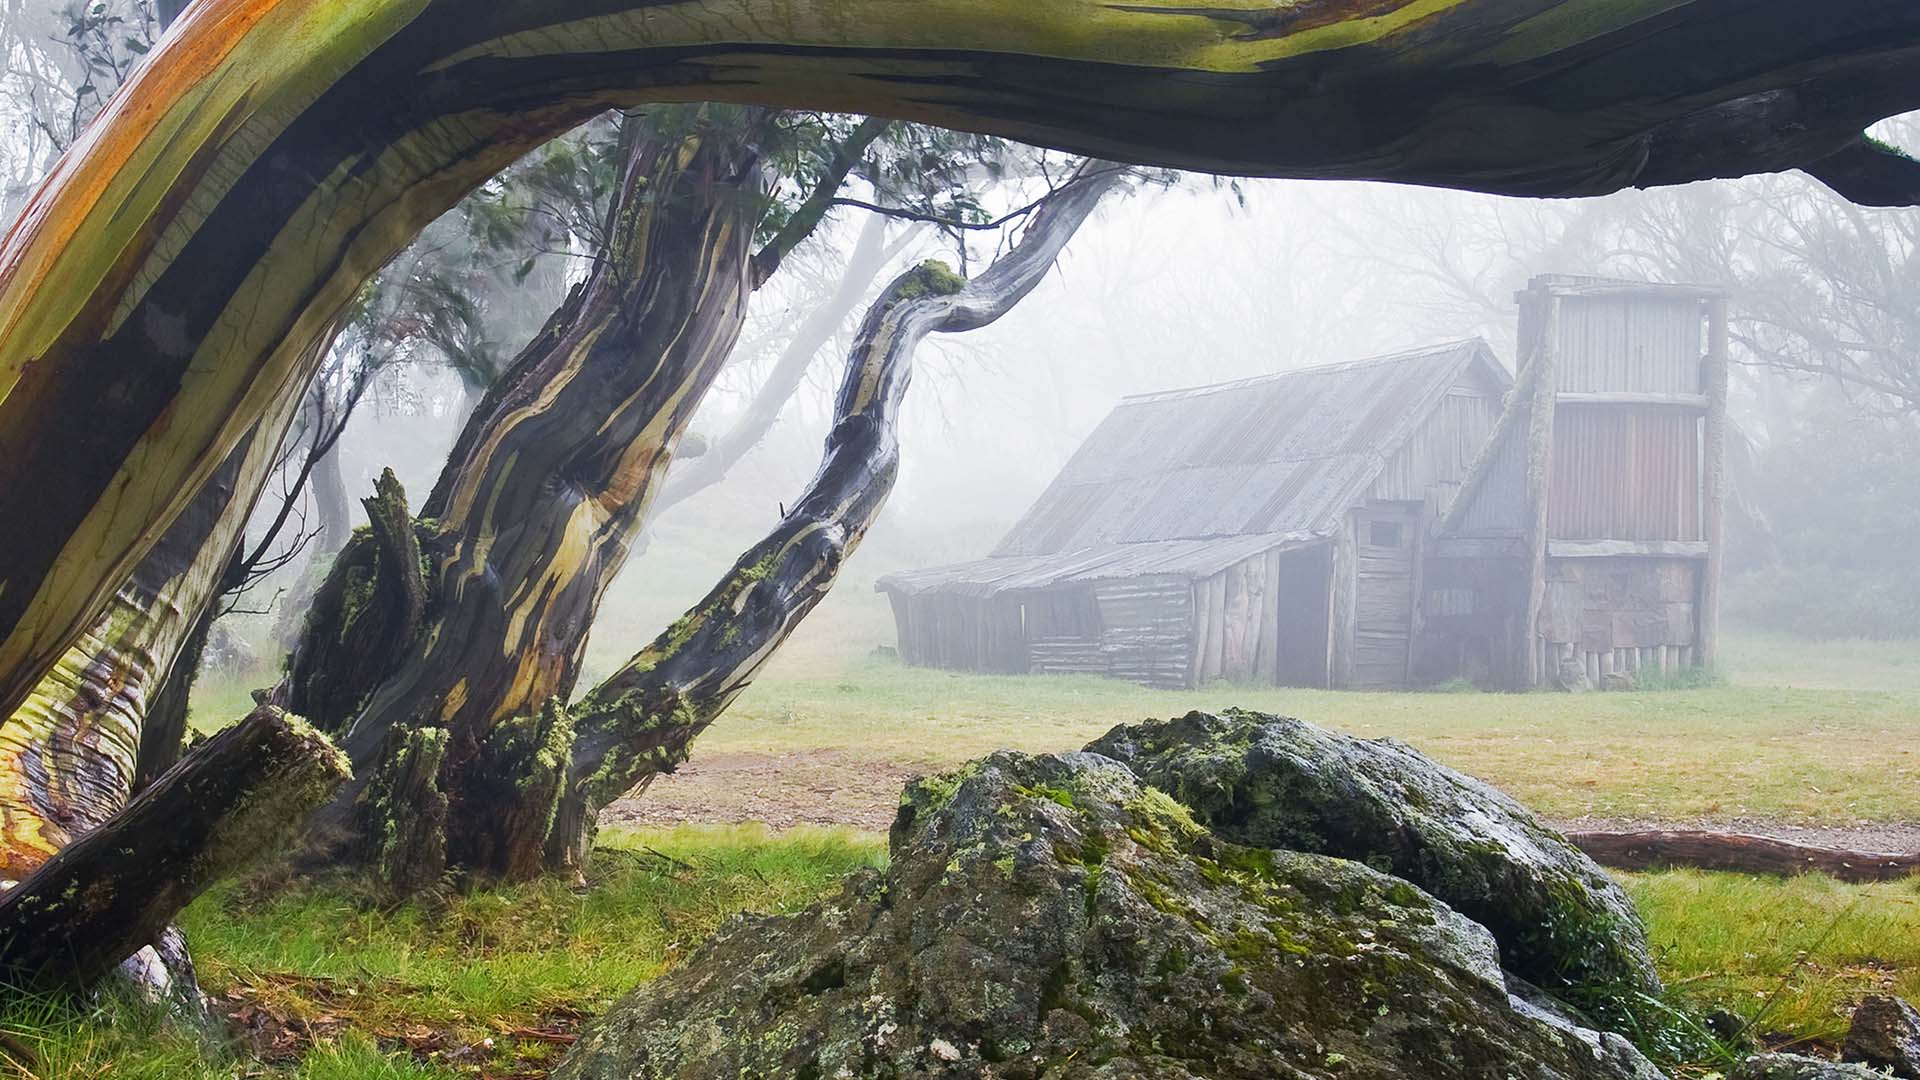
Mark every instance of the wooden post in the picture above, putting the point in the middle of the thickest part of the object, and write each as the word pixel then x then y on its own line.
pixel 1713 376
pixel 1340 628
pixel 1539 481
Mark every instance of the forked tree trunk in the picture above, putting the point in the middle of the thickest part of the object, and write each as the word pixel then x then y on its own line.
pixel 642 721
pixel 532 519
pixel 162 291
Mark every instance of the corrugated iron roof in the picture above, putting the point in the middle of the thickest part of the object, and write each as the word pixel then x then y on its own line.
pixel 1167 479
pixel 1280 454
pixel 1109 562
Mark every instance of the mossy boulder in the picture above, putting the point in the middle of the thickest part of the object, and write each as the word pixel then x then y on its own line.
pixel 1275 782
pixel 1053 916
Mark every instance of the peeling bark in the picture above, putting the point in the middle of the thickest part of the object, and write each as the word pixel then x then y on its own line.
pixel 70 755
pixel 161 292
pixel 642 721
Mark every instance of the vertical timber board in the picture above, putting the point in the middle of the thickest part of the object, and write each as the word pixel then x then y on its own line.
pixel 1202 631
pixel 1417 594
pixel 1012 617
pixel 1254 620
pixel 1714 376
pixel 1233 656
pixel 1210 663
pixel 902 626
pixel 1539 475
pixel 1269 669
pixel 1340 623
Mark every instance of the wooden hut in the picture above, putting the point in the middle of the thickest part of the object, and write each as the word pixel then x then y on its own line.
pixel 1585 546
pixel 1268 530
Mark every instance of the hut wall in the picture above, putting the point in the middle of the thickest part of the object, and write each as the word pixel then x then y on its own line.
pixel 1625 473
pixel 1630 343
pixel 1266 620
pixel 1435 460
pixel 1147 629
pixel 1619 616
pixel 1471 615
pixel 960 633
pixel 1063 632
pixel 1500 507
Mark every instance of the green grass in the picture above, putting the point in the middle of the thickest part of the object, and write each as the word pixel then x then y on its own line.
pixel 386 994
pixel 489 962
pixel 1795 954
pixel 1806 756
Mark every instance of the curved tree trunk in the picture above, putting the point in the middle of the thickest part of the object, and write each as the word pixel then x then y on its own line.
pixel 641 721
pixel 69 755
pixel 162 290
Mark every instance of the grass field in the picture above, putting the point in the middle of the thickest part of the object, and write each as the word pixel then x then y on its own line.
pixel 491 983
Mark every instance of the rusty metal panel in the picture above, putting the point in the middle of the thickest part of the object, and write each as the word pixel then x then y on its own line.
pixel 1624 473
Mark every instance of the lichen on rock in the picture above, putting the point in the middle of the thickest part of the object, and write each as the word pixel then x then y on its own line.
pixel 1054 916
pixel 1562 923
pixel 1800 1067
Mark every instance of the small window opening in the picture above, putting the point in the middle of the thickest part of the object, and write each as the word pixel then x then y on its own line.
pixel 1387 534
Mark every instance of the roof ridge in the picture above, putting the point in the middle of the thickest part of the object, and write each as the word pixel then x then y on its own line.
pixel 1382 360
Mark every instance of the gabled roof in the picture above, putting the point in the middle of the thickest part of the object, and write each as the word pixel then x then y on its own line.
pixel 1281 454
pixel 1189 482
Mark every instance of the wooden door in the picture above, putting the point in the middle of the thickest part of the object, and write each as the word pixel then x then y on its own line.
pixel 1384 547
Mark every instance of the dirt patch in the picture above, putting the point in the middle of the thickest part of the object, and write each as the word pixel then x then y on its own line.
pixel 832 787
pixel 816 787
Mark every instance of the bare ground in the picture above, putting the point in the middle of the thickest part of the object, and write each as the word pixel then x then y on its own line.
pixel 831 787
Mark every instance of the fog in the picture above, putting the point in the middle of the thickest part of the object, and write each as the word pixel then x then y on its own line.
pixel 1200 283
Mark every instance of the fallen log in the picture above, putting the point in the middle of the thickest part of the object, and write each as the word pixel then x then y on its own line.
pixel 242 795
pixel 1739 853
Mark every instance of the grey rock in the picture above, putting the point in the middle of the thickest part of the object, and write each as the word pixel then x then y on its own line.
pixel 1053 916
pixel 1796 1067
pixel 1275 782
pixel 1886 1035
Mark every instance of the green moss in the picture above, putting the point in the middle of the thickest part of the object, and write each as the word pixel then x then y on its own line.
pixel 1052 794
pixel 930 278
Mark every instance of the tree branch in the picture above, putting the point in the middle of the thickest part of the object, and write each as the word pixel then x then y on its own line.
pixel 808 215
